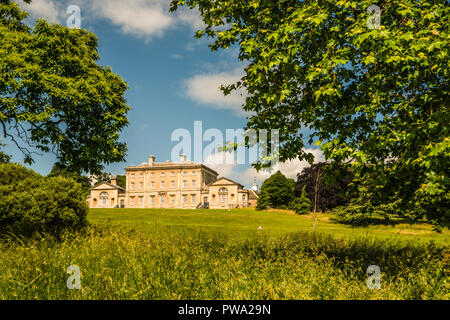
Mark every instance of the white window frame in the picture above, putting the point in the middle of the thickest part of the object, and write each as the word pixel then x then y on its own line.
pixel 104 197
pixel 223 196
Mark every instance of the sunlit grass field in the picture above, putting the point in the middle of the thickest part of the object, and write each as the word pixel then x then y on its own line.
pixel 245 222
pixel 217 254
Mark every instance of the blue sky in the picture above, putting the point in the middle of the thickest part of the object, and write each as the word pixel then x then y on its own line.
pixel 173 77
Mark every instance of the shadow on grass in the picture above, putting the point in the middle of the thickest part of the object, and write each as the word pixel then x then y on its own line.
pixel 365 222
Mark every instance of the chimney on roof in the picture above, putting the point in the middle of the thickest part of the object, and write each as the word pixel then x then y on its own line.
pixel 151 160
pixel 182 158
pixel 114 180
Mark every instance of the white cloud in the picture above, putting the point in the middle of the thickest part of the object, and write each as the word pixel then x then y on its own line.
pixel 291 168
pixel 205 89
pixel 176 56
pixel 190 46
pixel 215 162
pixel 137 17
pixel 140 18
pixel 191 18
pixel 246 176
pixel 46 9
pixel 144 18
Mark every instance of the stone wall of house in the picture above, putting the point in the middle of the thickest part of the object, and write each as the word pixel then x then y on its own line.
pixel 167 185
pixel 105 196
pixel 170 185
pixel 225 196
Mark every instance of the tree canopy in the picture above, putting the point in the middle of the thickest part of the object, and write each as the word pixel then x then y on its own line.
pixel 32 203
pixel 276 192
pixel 331 194
pixel 301 204
pixel 373 98
pixel 58 171
pixel 122 181
pixel 54 97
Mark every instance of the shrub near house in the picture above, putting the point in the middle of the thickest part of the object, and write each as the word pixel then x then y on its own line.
pixel 32 203
pixel 276 192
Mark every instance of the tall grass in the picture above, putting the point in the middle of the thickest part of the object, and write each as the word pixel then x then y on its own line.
pixel 119 263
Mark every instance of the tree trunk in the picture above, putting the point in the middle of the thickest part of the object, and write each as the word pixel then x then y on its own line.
pixel 316 196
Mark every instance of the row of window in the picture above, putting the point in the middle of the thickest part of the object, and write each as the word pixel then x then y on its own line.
pixel 162 174
pixel 163 199
pixel 162 185
pixel 223 197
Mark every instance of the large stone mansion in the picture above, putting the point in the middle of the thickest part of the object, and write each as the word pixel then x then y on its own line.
pixel 181 184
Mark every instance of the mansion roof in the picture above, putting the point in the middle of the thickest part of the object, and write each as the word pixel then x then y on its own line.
pixel 182 164
pixel 170 166
pixel 225 182
pixel 253 195
pixel 107 186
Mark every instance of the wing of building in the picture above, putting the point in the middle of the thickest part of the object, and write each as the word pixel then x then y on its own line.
pixel 181 184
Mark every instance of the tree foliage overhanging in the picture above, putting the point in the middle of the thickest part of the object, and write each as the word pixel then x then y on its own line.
pixel 54 97
pixel 375 100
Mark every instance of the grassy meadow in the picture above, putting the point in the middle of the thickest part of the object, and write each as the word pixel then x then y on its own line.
pixel 245 222
pixel 221 254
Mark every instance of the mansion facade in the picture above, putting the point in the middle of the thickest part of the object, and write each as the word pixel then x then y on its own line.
pixel 181 184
